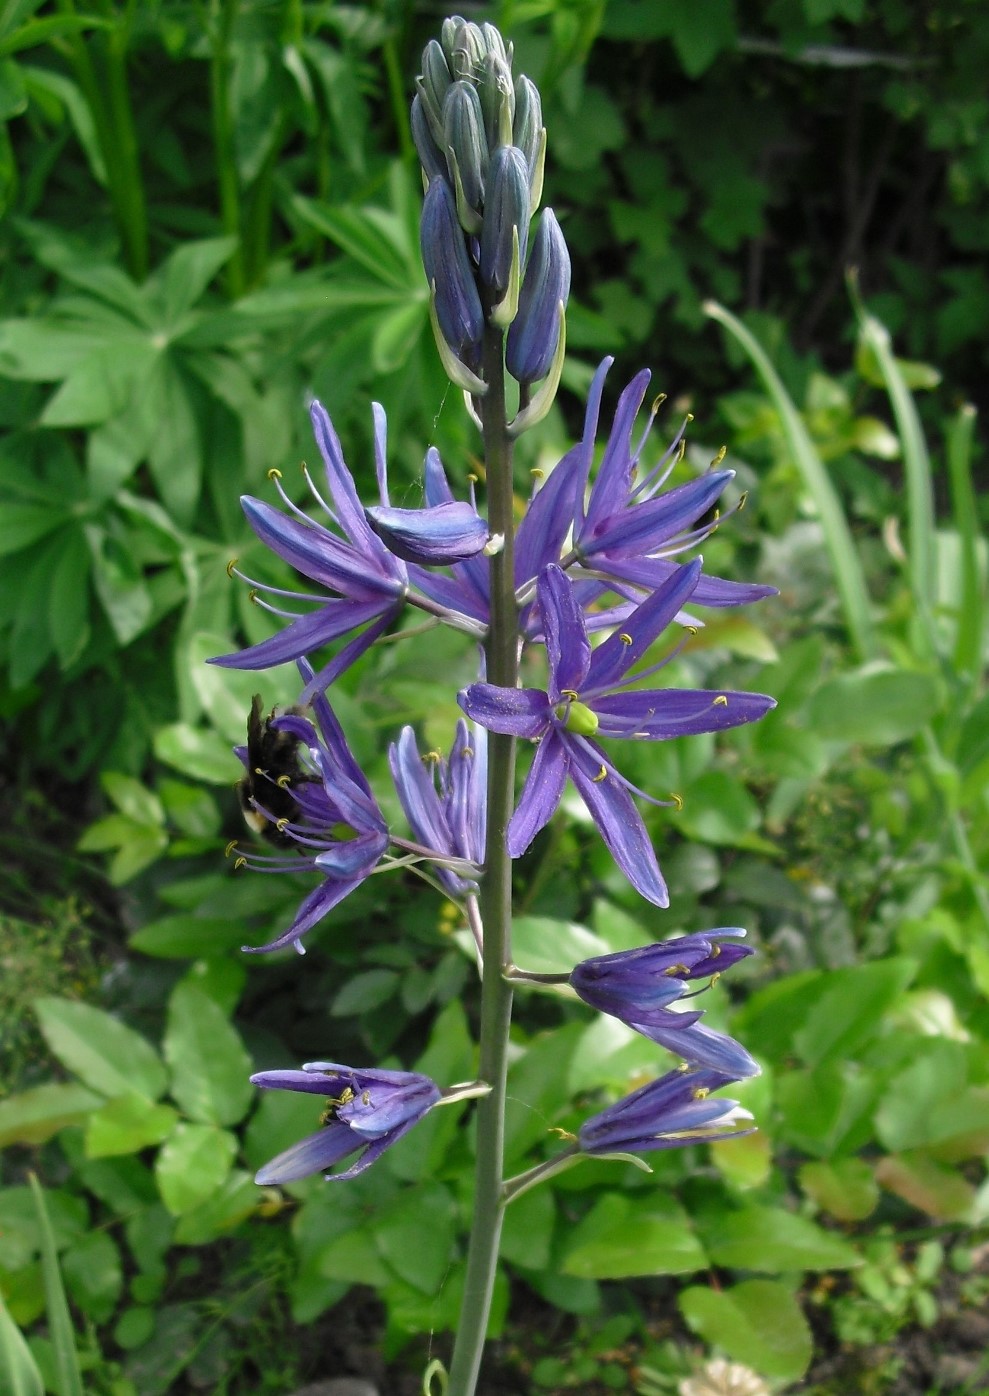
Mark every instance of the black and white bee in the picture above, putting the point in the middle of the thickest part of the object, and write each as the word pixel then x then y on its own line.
pixel 275 769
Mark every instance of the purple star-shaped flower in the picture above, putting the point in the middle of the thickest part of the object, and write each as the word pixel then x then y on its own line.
pixel 369 583
pixel 637 986
pixel 584 700
pixel 367 1110
pixel 668 1113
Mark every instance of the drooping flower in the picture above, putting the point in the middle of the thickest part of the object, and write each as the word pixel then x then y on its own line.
pixel 677 1109
pixel 638 986
pixel 334 826
pixel 584 700
pixel 367 1110
pixel 445 802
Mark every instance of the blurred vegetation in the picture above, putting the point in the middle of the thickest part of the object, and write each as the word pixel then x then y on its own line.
pixel 211 213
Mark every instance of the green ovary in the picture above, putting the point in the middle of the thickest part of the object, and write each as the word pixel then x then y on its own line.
pixel 577 717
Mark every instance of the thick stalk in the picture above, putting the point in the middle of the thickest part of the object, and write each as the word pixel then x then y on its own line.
pixel 496 896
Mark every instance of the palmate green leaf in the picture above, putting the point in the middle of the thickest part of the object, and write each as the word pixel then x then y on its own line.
pixel 180 281
pixel 68 597
pixel 875 706
pixel 24 524
pixel 848 1010
pixel 102 1051
pixel 47 348
pixel 103 384
pixel 231 1204
pixel 623 1236
pixel 197 752
pixel 175 455
pixel 375 238
pixel 758 1322
pixel 829 1109
pixel 126 1125
pixel 187 936
pixel 209 1063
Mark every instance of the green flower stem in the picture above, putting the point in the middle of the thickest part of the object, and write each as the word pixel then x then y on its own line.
pixel 496 895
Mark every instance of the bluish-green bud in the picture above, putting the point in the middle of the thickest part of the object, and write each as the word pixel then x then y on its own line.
pixel 497 101
pixel 431 158
pixel 448 266
pixel 433 85
pixel 506 207
pixel 527 123
pixel 465 141
pixel 464 45
pixel 535 332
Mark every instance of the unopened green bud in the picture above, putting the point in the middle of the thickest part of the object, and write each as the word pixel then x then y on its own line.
pixel 528 119
pixel 465 141
pixel 431 158
pixel 433 85
pixel 465 47
pixel 497 101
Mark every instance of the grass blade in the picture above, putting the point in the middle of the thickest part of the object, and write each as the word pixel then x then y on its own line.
pixel 848 573
pixel 971 615
pixel 19 1373
pixel 59 1319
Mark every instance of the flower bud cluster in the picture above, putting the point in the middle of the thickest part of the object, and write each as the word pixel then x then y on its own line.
pixel 482 147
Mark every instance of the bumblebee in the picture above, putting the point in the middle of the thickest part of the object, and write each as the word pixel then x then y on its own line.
pixel 274 771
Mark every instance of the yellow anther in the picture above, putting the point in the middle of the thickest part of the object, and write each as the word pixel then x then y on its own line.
pixel 538 472
pixel 467 751
pixel 365 1097
pixel 715 978
pixel 275 474
pixel 657 402
pixel 562 1133
pixel 690 629
pixel 230 566
pixel 259 770
pixel 720 702
pixel 472 478
pixel 701 1092
pixel 681 450
pixel 722 452
pixel 625 638
pixel 676 971
pixel 434 756
pixel 683 1067
pixel 241 862
pixel 230 848
pixel 283 782
pixel 569 693
pixel 601 775
pixel 689 417
pixel 252 596
pixel 741 500
pixel 677 801
pixel 282 824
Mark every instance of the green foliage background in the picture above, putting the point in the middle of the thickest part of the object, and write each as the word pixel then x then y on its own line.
pixel 210 212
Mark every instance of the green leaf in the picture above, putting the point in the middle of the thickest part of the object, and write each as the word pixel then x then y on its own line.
pixel 23 524
pixel 94 1275
pixel 236 1200
pixel 198 753
pixel 132 798
pixel 192 1165
pixel 718 809
pixel 848 574
pixel 757 1322
pixel 99 1049
pixel 544 945
pixel 209 1063
pixel 127 1125
pixel 364 992
pixel 187 936
pixel 19 1375
pixel 68 600
pixel 183 277
pixel 527 1231
pixel 877 707
pixel 846 1187
pixel 849 1009
pixel 623 1236
pixel 59 1321
pixel 37 1114
pixel 770 1239
pixel 415 1235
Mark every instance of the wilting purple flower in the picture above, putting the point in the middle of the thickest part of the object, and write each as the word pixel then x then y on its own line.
pixel 583 700
pixel 366 1109
pixel 637 986
pixel 630 531
pixel 369 582
pixel 675 1110
pixel 446 806
pixel 336 828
